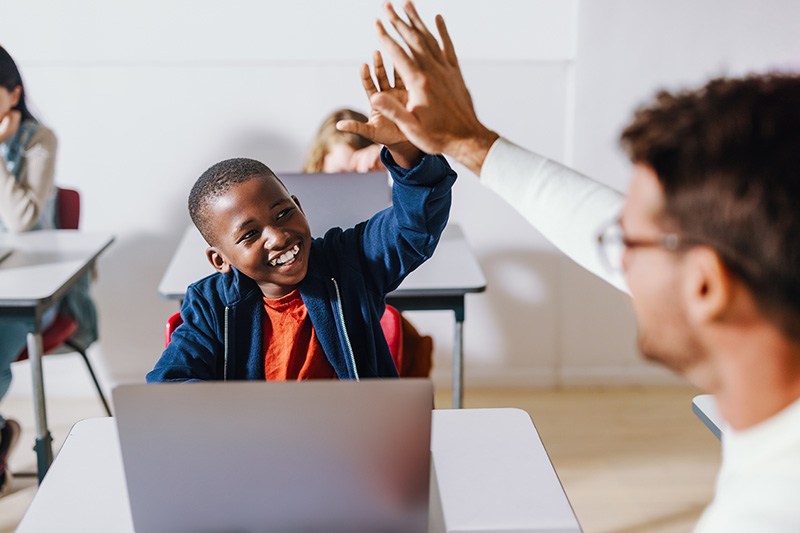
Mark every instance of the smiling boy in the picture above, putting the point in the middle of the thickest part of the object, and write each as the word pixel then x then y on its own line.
pixel 284 306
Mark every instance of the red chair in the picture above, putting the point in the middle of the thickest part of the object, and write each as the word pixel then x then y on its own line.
pixel 68 214
pixel 390 323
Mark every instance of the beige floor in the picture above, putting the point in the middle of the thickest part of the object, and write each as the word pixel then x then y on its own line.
pixel 630 460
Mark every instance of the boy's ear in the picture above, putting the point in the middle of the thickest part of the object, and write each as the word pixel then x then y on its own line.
pixel 298 203
pixel 217 260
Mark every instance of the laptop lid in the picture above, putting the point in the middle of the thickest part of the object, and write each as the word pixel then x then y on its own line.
pixel 277 456
pixel 5 251
pixel 339 200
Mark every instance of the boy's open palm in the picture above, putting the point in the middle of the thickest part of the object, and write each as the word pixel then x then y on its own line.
pixel 378 129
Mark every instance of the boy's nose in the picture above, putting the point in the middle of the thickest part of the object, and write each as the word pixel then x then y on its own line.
pixel 275 238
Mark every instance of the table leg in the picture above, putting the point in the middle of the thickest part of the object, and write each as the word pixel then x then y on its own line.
pixel 43 447
pixel 454 303
pixel 458 365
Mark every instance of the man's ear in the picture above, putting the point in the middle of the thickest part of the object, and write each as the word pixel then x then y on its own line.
pixel 707 285
pixel 298 203
pixel 217 260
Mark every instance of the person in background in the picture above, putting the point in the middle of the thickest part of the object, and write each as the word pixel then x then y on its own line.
pixel 339 151
pixel 706 242
pixel 27 203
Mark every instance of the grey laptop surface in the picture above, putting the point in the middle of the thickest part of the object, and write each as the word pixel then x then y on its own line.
pixel 5 251
pixel 339 200
pixel 277 456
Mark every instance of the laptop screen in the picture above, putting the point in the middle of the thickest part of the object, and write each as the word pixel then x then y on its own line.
pixel 277 456
pixel 339 200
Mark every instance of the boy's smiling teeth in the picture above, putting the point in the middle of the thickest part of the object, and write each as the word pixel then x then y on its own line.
pixel 286 256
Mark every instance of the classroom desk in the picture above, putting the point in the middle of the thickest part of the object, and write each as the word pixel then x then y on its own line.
pixel 42 268
pixel 491 473
pixel 705 407
pixel 441 283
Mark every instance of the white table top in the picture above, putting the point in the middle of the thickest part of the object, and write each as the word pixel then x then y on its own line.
pixel 45 262
pixel 453 269
pixel 492 474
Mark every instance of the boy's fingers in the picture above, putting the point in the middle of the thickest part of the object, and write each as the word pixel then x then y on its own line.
pixel 367 81
pixel 380 72
pixel 354 126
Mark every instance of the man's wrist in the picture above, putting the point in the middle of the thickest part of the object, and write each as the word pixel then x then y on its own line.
pixel 471 151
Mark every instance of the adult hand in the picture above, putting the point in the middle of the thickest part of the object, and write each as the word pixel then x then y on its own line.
pixel 379 128
pixel 9 124
pixel 367 159
pixel 438 115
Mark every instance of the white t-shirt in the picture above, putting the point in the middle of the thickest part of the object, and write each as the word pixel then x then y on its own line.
pixel 758 486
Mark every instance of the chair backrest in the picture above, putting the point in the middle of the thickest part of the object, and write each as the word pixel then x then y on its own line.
pixel 390 323
pixel 68 208
pixel 392 326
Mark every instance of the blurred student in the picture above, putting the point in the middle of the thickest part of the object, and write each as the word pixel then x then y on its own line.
pixel 340 151
pixel 27 203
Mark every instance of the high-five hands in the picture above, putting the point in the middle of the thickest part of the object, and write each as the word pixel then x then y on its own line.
pixel 379 128
pixel 435 111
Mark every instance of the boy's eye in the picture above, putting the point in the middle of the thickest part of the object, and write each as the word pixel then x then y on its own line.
pixel 249 235
pixel 285 212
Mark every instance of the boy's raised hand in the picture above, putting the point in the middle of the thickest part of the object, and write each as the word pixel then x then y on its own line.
pixel 378 128
pixel 437 114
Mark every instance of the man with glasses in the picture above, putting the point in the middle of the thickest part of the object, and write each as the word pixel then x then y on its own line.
pixel 706 241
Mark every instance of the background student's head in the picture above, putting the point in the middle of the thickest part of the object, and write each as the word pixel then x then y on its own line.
pixel 12 90
pixel 253 224
pixel 333 150
pixel 719 169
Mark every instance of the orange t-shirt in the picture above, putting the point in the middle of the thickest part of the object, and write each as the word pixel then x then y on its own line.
pixel 292 351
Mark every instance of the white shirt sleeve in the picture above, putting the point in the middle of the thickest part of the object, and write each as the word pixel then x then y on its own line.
pixel 563 205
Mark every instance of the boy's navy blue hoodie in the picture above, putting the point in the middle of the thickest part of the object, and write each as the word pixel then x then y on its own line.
pixel 349 274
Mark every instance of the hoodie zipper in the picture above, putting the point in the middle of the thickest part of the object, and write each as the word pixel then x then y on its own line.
pixel 225 350
pixel 344 329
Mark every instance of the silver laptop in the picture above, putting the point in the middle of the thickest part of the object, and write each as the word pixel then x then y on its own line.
pixel 277 456
pixel 339 200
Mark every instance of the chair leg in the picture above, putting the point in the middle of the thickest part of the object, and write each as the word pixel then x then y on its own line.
pixel 91 372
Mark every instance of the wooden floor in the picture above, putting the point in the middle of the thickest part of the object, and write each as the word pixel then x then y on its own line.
pixel 630 460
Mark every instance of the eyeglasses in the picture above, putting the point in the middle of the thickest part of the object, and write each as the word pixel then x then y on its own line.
pixel 612 243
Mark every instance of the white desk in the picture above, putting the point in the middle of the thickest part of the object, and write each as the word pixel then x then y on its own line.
pixel 441 283
pixel 705 407
pixel 42 268
pixel 491 473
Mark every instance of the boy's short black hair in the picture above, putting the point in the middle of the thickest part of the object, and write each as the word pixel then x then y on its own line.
pixel 218 180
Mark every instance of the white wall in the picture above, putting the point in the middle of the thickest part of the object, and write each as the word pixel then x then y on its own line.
pixel 144 96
